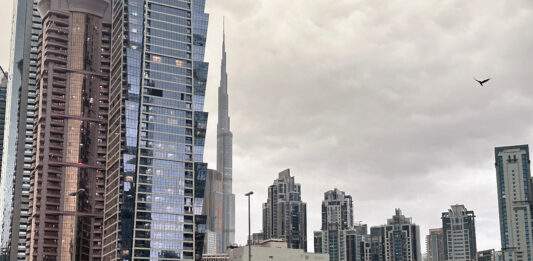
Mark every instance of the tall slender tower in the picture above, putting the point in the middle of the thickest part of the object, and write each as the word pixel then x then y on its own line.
pixel 225 152
pixel 21 108
pixel 513 178
pixel 67 181
pixel 155 180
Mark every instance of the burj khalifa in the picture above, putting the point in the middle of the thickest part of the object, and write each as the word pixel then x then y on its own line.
pixel 225 154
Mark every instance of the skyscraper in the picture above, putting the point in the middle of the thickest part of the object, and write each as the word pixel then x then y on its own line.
pixel 513 178
pixel 435 245
pixel 225 152
pixel 214 211
pixel 337 220
pixel 459 231
pixel 400 238
pixel 357 244
pixel 67 181
pixel 155 175
pixel 284 213
pixel 21 108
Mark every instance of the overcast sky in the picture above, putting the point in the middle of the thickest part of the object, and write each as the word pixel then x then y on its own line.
pixel 374 97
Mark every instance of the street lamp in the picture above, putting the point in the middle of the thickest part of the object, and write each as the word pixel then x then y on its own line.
pixel 249 194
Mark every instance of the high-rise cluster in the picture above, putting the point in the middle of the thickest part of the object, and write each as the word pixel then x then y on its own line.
pixel 105 132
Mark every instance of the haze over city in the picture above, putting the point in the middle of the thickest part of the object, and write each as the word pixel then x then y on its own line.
pixel 376 98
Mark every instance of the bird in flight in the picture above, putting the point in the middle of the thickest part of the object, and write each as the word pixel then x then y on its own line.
pixel 482 82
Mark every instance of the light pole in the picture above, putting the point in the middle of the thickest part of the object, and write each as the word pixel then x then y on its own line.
pixel 249 194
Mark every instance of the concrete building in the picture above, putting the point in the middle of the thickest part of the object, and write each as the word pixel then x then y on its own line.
pixel 275 250
pixel 435 245
pixel 459 229
pixel 284 213
pixel 225 152
pixel 67 181
pixel 21 108
pixel 513 178
pixel 400 239
pixel 155 184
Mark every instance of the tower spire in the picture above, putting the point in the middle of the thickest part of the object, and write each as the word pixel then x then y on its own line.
pixel 225 150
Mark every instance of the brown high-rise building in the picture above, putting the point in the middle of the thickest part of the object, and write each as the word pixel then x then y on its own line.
pixel 67 182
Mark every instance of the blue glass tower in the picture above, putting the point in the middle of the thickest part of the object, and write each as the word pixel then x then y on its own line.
pixel 155 169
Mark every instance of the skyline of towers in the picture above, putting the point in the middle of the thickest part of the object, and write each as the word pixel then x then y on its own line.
pixel 513 178
pixel 225 151
pixel 151 68
pixel 284 213
pixel 459 232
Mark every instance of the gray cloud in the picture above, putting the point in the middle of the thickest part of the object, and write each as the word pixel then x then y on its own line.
pixel 375 98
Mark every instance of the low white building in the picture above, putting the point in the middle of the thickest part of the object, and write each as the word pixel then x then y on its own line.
pixel 274 250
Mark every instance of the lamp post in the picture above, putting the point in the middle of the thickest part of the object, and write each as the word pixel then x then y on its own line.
pixel 249 194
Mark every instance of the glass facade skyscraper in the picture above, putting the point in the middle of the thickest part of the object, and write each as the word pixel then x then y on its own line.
pixel 155 175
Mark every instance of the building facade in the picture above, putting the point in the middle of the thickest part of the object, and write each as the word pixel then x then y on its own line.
pixel 67 181
pixel 214 211
pixel 21 108
pixel 486 255
pixel 274 250
pixel 337 221
pixel 357 244
pixel 155 181
pixel 513 178
pixel 225 152
pixel 459 231
pixel 284 213
pixel 3 99
pixel 400 239
pixel 377 243
pixel 435 245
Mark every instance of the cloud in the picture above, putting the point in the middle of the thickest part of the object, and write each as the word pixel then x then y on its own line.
pixel 375 98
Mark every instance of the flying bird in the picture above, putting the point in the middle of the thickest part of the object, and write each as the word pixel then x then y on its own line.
pixel 482 82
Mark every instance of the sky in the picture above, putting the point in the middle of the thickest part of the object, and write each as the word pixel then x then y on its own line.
pixel 373 97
